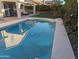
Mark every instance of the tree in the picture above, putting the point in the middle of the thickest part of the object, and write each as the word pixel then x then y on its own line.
pixel 70 4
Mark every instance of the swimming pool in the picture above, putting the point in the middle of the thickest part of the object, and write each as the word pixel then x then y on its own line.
pixel 36 43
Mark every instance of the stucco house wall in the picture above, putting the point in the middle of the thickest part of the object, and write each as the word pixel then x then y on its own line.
pixel 18 2
pixel 1 9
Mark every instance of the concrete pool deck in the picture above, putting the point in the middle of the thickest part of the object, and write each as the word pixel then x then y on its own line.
pixel 61 48
pixel 10 19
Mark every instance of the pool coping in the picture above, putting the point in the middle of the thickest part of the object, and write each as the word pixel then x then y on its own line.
pixel 61 48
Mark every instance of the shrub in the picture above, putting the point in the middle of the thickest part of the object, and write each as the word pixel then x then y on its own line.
pixel 42 8
pixel 28 7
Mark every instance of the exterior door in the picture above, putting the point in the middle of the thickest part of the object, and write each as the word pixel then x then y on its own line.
pixel 7 13
pixel 10 9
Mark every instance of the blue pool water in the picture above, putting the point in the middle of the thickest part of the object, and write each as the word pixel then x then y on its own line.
pixel 36 44
pixel 0 35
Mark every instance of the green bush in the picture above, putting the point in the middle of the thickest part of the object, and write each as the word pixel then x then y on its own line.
pixel 42 8
pixel 38 8
pixel 28 7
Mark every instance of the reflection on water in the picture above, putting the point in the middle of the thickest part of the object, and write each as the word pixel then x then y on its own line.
pixel 27 40
pixel 0 35
pixel 13 34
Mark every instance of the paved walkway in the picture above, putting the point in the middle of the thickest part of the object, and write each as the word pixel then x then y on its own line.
pixel 10 19
pixel 62 48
